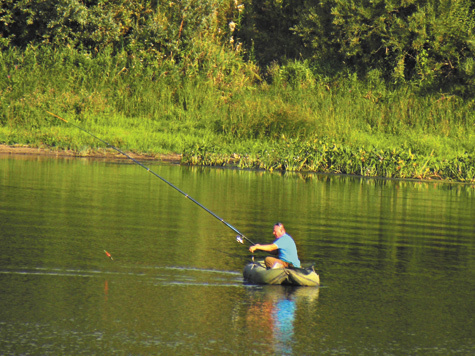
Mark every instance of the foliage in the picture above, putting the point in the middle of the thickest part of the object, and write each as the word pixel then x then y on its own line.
pixel 265 29
pixel 152 29
pixel 337 158
pixel 376 88
pixel 219 114
pixel 430 43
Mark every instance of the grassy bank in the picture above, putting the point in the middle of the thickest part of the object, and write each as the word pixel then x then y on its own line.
pixel 219 110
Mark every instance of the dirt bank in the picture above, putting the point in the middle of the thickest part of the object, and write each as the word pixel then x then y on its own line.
pixel 108 154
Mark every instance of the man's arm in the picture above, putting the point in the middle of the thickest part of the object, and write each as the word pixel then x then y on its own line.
pixel 268 248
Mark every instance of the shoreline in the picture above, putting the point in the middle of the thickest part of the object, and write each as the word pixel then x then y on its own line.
pixel 25 150
pixel 19 150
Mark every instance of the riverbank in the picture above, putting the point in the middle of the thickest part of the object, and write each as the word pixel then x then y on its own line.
pixel 295 120
pixel 107 154
pixel 174 158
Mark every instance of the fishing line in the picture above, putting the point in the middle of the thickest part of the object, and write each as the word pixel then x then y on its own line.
pixel 240 236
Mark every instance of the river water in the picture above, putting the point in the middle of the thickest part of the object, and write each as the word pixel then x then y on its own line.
pixel 396 261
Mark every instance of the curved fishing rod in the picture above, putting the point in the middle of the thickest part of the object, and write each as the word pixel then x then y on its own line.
pixel 240 236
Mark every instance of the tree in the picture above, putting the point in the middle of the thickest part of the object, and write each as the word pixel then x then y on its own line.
pixel 266 30
pixel 425 41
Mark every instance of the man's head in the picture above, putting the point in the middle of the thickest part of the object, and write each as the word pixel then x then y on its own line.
pixel 279 230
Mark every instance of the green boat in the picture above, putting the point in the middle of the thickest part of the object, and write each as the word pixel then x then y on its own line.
pixel 257 273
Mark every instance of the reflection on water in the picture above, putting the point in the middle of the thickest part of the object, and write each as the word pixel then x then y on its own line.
pixel 272 311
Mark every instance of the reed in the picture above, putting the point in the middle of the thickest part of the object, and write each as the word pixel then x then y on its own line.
pixel 219 111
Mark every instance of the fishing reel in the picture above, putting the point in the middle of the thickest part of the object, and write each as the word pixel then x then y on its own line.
pixel 241 241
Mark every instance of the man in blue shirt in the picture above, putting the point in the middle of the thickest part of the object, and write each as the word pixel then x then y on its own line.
pixel 283 246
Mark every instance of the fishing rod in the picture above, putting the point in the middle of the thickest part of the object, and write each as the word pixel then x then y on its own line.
pixel 240 236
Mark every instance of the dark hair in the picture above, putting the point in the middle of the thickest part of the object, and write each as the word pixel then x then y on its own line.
pixel 278 224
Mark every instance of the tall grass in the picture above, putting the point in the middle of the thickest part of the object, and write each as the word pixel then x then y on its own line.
pixel 216 109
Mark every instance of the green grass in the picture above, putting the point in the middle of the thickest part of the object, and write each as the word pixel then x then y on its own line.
pixel 223 113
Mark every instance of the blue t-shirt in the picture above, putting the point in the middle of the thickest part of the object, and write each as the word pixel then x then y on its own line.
pixel 287 250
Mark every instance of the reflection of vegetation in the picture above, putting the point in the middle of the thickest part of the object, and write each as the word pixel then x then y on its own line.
pixel 457 188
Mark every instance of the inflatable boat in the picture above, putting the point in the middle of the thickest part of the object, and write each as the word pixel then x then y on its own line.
pixel 257 273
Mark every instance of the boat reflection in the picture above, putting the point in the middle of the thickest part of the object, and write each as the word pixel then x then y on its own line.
pixel 272 312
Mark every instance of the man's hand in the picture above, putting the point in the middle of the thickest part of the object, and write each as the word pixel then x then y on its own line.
pixel 253 248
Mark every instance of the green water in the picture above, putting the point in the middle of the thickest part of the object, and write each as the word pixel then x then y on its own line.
pixel 396 260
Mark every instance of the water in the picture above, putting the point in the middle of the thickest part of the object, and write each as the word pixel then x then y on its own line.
pixel 396 260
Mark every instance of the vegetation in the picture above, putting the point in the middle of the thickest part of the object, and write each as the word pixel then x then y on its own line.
pixel 381 88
